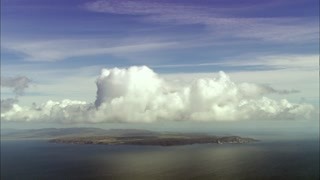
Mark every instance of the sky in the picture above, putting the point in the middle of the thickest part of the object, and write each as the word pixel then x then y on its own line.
pixel 121 61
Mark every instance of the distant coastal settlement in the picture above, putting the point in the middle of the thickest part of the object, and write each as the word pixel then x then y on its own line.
pixel 163 140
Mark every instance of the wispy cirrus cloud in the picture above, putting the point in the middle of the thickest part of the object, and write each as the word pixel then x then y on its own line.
pixel 267 62
pixel 55 50
pixel 216 25
pixel 219 21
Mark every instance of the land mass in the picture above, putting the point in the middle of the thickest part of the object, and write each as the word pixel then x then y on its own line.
pixel 120 137
pixel 162 140
pixel 50 133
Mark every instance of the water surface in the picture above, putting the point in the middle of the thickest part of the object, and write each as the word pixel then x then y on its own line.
pixel 38 159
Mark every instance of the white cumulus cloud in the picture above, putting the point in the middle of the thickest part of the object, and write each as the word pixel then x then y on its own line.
pixel 138 94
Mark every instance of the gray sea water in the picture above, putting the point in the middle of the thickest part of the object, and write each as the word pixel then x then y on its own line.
pixel 38 159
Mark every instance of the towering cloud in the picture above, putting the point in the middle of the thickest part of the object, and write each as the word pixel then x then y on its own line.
pixel 18 84
pixel 138 94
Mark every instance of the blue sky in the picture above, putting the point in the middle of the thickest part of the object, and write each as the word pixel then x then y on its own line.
pixel 154 32
pixel 63 45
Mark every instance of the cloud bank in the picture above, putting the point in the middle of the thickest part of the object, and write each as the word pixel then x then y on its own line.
pixel 138 94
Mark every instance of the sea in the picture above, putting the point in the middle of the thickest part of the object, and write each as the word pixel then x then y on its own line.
pixel 39 159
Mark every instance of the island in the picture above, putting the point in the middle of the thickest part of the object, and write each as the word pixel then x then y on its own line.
pixel 119 137
pixel 162 140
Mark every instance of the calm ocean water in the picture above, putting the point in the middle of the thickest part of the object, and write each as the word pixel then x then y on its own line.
pixel 35 159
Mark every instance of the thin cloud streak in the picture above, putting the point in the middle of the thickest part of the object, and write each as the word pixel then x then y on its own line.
pixel 55 50
pixel 217 20
pixel 293 62
pixel 217 28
